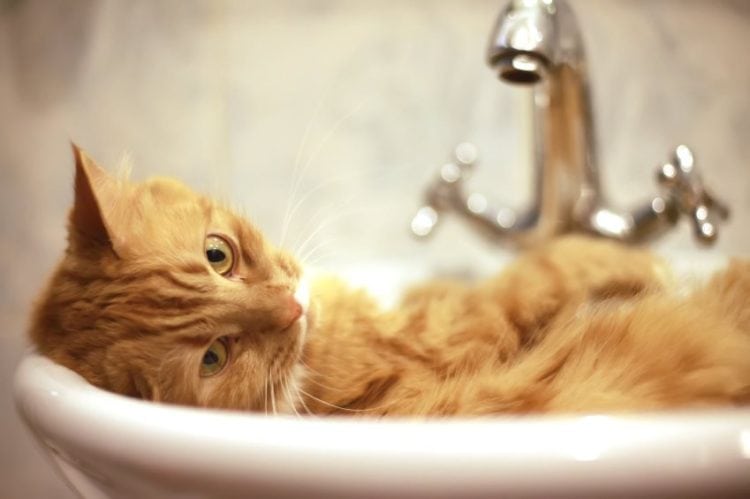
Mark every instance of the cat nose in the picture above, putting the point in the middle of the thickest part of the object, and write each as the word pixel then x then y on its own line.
pixel 293 311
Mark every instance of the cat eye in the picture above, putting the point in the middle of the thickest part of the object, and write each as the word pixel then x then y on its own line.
pixel 215 358
pixel 219 254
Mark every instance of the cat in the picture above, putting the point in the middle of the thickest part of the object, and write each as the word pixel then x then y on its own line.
pixel 166 295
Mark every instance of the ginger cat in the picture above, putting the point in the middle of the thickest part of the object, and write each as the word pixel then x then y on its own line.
pixel 165 295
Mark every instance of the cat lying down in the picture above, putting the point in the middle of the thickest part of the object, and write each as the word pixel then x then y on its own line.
pixel 165 295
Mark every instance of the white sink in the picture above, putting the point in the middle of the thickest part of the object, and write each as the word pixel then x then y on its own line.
pixel 107 445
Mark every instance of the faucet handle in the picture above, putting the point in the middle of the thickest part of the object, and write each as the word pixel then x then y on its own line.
pixel 445 191
pixel 684 187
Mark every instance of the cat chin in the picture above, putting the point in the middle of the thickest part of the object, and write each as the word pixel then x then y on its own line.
pixel 290 401
pixel 302 324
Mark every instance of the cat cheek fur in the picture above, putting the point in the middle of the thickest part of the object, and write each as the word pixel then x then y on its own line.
pixel 133 304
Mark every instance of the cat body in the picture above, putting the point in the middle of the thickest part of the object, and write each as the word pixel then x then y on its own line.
pixel 165 295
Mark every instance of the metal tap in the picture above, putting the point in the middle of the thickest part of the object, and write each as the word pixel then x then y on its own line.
pixel 538 43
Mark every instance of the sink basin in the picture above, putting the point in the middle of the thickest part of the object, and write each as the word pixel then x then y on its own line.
pixel 106 445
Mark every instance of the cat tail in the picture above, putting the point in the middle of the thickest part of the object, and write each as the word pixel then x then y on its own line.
pixel 728 292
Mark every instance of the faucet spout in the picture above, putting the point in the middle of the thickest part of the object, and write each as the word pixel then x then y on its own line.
pixel 523 43
pixel 538 44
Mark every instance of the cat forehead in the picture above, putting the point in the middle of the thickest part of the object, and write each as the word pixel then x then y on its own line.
pixel 161 198
pixel 169 190
pixel 168 198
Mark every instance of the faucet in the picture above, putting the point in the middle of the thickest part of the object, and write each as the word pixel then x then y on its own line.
pixel 537 43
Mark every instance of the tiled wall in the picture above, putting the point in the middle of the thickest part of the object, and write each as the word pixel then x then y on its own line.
pixel 366 97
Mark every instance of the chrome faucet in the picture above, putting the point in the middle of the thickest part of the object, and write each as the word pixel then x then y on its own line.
pixel 538 43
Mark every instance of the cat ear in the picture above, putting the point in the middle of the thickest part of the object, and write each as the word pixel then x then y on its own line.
pixel 95 191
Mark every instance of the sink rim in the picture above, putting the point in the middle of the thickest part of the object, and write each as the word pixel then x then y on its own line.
pixel 681 452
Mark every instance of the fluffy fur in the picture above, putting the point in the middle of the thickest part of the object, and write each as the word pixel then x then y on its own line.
pixel 579 324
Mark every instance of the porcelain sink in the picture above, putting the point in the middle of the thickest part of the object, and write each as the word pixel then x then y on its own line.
pixel 109 446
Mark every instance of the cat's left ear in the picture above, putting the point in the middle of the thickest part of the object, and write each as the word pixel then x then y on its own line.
pixel 97 194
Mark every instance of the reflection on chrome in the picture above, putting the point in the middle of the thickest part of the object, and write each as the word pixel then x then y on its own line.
pixel 537 44
pixel 745 443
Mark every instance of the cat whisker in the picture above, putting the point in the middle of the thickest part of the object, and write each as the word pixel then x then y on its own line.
pixel 334 406
pixel 288 396
pixel 316 382
pixel 297 206
pixel 325 387
pixel 320 258
pixel 300 172
pixel 341 210
pixel 324 224
pixel 331 133
pixel 306 196
pixel 309 412
pixel 337 208
pixel 296 174
pixel 273 396
pixel 303 404
pixel 305 259
pixel 265 396
pixel 313 371
pixel 332 245
pixel 313 157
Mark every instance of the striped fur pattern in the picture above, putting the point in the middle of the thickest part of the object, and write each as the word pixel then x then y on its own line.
pixel 133 304
pixel 576 325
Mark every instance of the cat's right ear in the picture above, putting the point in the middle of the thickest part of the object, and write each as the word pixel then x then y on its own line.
pixel 93 188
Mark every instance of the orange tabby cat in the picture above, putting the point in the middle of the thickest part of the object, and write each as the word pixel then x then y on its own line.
pixel 163 294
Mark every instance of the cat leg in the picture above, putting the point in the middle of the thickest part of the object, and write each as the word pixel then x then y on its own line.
pixel 653 353
pixel 572 269
pixel 728 292
pixel 461 328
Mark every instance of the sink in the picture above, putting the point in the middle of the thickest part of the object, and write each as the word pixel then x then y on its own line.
pixel 107 445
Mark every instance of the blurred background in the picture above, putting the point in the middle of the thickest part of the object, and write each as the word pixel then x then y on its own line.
pixel 346 106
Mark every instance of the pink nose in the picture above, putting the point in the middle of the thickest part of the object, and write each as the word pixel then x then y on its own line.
pixel 293 311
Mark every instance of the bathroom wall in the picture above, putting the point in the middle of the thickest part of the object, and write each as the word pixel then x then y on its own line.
pixel 354 103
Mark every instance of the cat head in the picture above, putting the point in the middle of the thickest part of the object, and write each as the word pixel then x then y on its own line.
pixel 164 294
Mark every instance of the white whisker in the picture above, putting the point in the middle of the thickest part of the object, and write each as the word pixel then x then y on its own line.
pixel 304 198
pixel 310 378
pixel 305 259
pixel 288 395
pixel 334 405
pixel 322 258
pixel 324 224
pixel 303 404
pixel 273 396
pixel 296 174
pixel 301 173
pixel 321 254
pixel 332 131
pixel 265 396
